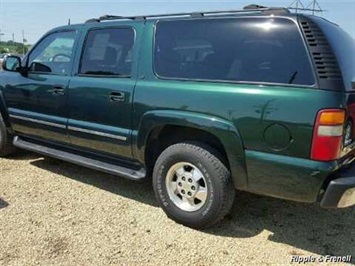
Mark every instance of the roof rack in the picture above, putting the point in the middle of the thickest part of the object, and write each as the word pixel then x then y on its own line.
pixel 246 9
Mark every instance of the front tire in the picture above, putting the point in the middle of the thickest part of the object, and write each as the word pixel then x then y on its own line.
pixel 6 147
pixel 192 185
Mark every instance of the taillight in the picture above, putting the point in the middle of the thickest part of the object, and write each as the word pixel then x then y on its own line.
pixel 328 135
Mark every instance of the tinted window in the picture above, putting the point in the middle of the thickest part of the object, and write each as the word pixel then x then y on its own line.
pixel 248 49
pixel 108 52
pixel 54 54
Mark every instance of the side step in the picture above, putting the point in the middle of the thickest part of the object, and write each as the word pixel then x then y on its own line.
pixel 80 160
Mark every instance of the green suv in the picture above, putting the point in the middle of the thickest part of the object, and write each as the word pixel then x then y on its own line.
pixel 259 99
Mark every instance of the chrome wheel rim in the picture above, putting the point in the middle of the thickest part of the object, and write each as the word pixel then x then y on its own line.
pixel 186 186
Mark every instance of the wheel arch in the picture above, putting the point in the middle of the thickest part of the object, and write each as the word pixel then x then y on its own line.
pixel 156 132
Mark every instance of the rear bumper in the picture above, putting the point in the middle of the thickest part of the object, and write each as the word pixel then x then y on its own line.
pixel 287 177
pixel 340 192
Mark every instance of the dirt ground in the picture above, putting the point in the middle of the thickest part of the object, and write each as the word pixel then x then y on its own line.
pixel 57 213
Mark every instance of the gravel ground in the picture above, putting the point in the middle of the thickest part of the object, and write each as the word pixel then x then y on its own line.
pixel 56 213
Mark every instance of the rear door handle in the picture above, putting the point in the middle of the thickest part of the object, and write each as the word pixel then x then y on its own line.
pixel 117 97
pixel 58 90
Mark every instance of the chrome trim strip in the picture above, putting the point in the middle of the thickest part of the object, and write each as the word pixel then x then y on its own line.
pixel 101 134
pixel 38 121
pixel 69 128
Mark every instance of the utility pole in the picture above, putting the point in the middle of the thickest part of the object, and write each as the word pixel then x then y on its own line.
pixel 13 42
pixel 296 4
pixel 264 109
pixel 1 34
pixel 315 7
pixel 23 42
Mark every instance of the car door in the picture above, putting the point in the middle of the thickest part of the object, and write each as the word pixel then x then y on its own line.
pixel 36 99
pixel 100 95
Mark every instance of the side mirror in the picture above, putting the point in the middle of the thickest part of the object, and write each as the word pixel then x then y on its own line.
pixel 11 63
pixel 38 67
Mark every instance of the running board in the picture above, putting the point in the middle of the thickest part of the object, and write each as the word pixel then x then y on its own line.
pixel 80 160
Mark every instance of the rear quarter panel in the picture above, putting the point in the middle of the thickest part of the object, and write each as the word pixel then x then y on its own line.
pixel 274 122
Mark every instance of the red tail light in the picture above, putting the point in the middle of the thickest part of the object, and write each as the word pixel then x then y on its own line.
pixel 328 135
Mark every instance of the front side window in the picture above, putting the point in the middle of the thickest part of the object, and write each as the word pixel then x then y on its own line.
pixel 54 54
pixel 248 50
pixel 108 52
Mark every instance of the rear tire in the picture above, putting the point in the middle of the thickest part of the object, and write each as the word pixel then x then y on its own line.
pixel 192 185
pixel 6 147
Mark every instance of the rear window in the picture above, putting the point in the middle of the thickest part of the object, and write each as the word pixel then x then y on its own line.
pixel 246 50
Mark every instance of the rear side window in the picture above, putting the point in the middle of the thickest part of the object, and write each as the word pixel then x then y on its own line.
pixel 240 49
pixel 108 52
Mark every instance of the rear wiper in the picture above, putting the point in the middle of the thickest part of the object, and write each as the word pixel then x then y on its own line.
pixel 293 77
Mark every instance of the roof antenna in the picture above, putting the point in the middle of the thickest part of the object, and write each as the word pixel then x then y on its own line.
pixel 69 21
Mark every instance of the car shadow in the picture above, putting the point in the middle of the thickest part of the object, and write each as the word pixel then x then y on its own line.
pixel 141 191
pixel 3 204
pixel 23 155
pixel 303 226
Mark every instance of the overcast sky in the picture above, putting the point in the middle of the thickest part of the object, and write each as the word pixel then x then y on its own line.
pixel 37 17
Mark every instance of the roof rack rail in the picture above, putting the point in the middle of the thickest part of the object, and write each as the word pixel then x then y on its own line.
pixel 246 9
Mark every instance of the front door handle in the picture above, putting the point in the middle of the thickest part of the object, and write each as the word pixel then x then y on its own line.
pixel 117 97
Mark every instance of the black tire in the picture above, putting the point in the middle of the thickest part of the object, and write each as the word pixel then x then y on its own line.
pixel 220 188
pixel 6 147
